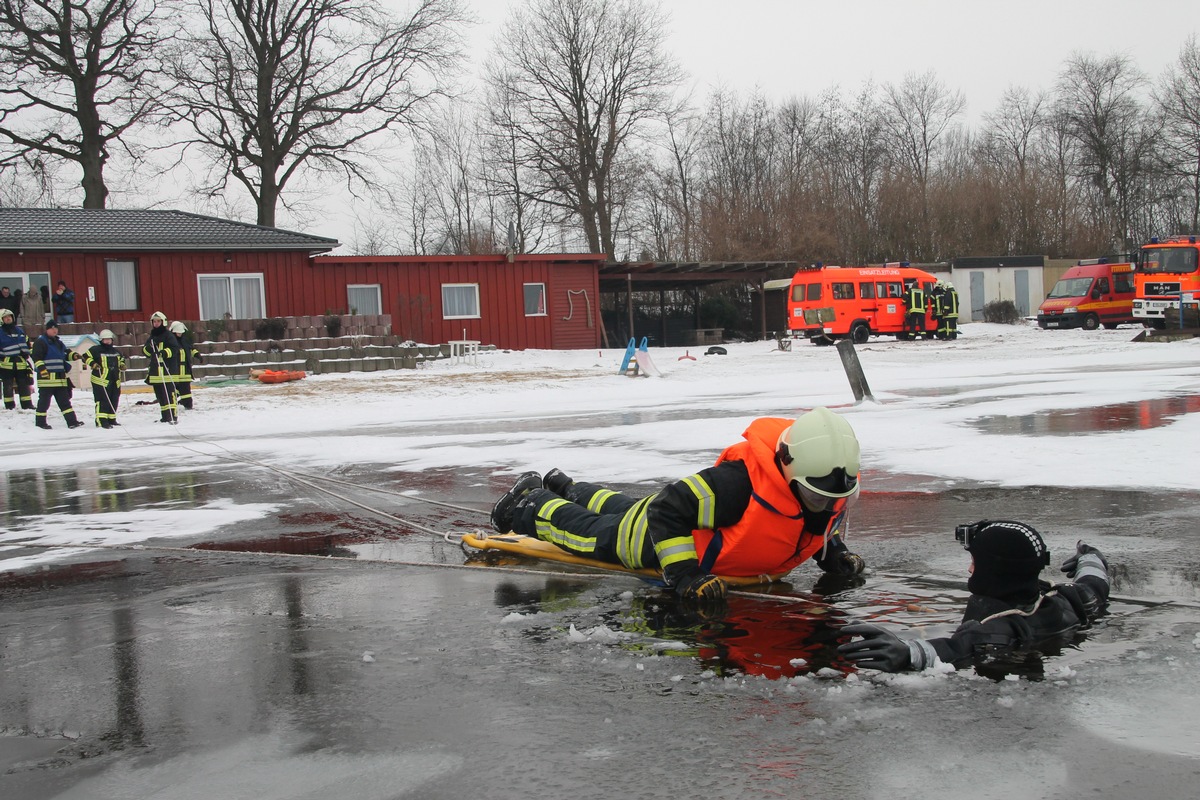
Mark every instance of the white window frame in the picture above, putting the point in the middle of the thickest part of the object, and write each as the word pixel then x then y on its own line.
pixel 260 313
pixel 108 268
pixel 474 287
pixel 350 306
pixel 545 312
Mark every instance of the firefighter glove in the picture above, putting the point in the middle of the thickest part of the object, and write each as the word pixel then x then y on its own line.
pixel 838 560
pixel 883 650
pixel 696 585
pixel 1087 560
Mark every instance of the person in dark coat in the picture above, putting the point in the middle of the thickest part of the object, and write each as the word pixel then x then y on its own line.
pixel 10 301
pixel 108 367
pixel 162 350
pixel 64 303
pixel 1009 609
pixel 52 360
pixel 16 371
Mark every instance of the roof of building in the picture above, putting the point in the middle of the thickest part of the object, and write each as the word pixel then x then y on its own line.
pixel 672 275
pixel 85 229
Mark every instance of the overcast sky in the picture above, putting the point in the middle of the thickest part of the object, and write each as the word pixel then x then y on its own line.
pixel 799 47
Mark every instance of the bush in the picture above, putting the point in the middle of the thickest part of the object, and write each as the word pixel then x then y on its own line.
pixel 333 325
pixel 274 328
pixel 1002 311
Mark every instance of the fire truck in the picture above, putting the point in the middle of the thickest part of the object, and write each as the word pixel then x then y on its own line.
pixel 1166 272
pixel 827 303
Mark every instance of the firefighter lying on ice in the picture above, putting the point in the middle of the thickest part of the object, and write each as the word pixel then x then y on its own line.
pixel 1009 608
pixel 770 503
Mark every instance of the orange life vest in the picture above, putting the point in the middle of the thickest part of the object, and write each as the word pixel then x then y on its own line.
pixel 770 538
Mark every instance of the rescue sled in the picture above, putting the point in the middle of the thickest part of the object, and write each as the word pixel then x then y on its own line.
pixel 531 547
pixel 279 376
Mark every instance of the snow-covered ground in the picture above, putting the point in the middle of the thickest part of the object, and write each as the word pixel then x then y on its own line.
pixel 537 409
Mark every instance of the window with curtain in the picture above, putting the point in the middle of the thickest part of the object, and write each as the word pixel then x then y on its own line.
pixel 535 299
pixel 239 296
pixel 460 301
pixel 363 299
pixel 122 286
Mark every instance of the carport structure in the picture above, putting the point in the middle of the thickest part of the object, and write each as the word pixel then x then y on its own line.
pixel 628 277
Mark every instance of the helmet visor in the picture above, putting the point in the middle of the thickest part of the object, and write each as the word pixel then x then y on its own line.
pixel 819 501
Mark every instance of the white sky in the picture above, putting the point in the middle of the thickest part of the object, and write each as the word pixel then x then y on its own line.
pixel 802 47
pixel 538 409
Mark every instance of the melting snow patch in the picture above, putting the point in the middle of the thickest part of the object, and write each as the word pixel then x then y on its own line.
pixel 828 672
pixel 798 662
pixel 661 646
pixel 600 633
pixel 513 616
pixel 1007 702
pixel 368 657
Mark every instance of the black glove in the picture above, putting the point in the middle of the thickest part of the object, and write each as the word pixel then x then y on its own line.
pixel 696 585
pixel 1072 564
pixel 838 560
pixel 199 359
pixel 878 649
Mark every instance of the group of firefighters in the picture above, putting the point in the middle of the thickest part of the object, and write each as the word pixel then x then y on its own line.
pixel 170 351
pixel 941 302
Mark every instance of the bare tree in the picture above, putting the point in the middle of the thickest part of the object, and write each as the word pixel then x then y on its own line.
pixel 919 112
pixel 76 78
pixel 1098 98
pixel 1178 100
pixel 1009 145
pixel 273 87
pixel 585 78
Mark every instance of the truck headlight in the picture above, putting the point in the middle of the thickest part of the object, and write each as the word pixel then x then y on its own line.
pixel 1070 310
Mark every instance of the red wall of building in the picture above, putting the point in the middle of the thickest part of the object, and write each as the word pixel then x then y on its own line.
pixel 410 288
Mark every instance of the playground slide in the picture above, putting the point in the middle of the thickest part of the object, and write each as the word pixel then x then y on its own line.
pixel 646 364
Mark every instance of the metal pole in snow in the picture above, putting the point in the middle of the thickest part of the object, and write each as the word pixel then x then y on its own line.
pixel 854 371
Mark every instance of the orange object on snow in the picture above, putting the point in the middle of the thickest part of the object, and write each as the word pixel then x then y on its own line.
pixel 280 376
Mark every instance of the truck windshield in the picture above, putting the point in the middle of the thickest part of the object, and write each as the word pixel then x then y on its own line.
pixel 1071 287
pixel 1176 260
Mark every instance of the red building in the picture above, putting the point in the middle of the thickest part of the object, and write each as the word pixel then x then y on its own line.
pixel 125 264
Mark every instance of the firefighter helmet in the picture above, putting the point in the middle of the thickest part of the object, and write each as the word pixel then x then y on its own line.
pixel 177 327
pixel 160 316
pixel 819 453
pixel 107 334
pixel 7 312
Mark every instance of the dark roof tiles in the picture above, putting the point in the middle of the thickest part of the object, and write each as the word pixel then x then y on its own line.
pixel 145 229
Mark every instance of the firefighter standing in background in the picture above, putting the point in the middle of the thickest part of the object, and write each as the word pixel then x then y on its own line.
pixel 187 354
pixel 937 307
pixel 107 366
pixel 50 359
pixel 162 348
pixel 16 375
pixel 948 325
pixel 914 302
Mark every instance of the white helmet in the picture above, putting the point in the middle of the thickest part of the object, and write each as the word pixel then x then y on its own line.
pixel 107 334
pixel 819 455
pixel 176 327
pixel 160 316
pixel 7 312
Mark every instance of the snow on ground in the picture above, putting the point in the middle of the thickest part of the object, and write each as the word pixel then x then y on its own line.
pixel 537 409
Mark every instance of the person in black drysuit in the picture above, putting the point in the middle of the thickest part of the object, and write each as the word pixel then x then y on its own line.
pixel 162 350
pixel 1009 608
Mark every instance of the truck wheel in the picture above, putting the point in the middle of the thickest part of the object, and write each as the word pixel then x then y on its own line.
pixel 860 333
pixel 1091 322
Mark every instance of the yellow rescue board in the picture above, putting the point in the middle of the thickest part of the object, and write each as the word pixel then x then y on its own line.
pixel 535 548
